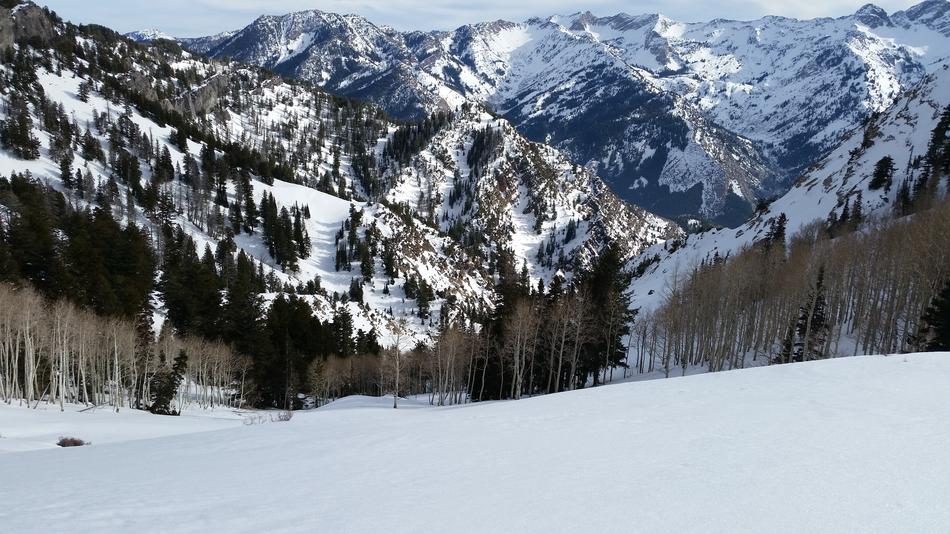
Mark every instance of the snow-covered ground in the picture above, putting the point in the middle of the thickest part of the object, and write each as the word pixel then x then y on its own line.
pixel 25 427
pixel 855 444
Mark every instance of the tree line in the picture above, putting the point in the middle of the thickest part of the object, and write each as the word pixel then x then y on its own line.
pixel 844 286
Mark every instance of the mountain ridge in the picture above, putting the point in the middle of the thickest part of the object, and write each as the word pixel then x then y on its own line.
pixel 695 96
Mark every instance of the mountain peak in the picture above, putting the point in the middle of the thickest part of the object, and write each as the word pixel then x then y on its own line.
pixel 149 35
pixel 934 14
pixel 928 10
pixel 583 21
pixel 620 22
pixel 872 16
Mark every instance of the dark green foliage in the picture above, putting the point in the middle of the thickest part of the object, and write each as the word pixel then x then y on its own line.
pixel 571 232
pixel 608 284
pixel 775 237
pixel 295 337
pixel 90 148
pixel 812 325
pixel 286 238
pixel 410 138
pixel 883 176
pixel 602 330
pixel 86 257
pixel 356 290
pixel 191 286
pixel 342 331
pixel 936 329
pixel 938 151
pixel 16 132
pixel 84 91
pixel 165 384
pixel 485 146
pixel 917 192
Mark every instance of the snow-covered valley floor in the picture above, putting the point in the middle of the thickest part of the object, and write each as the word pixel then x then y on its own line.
pixel 846 445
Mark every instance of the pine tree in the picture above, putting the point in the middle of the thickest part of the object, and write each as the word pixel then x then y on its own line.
pixel 938 150
pixel 180 139
pixel 775 238
pixel 164 168
pixel 367 267
pixel 90 149
pixel 812 326
pixel 301 238
pixel 165 384
pixel 84 91
pixel 903 204
pixel 571 232
pixel 857 211
pixel 342 327
pixel 16 132
pixel 936 321
pixel 66 169
pixel 356 290
pixel 883 176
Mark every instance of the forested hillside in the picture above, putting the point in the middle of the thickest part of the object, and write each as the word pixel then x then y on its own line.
pixel 187 201
pixel 848 262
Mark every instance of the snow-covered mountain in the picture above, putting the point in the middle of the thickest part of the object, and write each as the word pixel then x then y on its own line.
pixel 902 132
pixel 681 118
pixel 428 204
pixel 144 36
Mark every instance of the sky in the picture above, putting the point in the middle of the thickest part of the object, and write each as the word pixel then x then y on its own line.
pixel 191 18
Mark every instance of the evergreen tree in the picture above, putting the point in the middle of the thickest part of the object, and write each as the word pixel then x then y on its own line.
pixel 251 214
pixel 84 91
pixel 938 150
pixel 571 232
pixel 90 149
pixel 775 237
pixel 857 211
pixel 812 325
pixel 16 132
pixel 66 169
pixel 342 327
pixel 936 321
pixel 607 282
pixel 367 267
pixel 300 235
pixel 180 139
pixel 356 290
pixel 165 384
pixel 903 204
pixel 883 176
pixel 164 168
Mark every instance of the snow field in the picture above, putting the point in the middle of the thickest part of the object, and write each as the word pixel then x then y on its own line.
pixel 844 445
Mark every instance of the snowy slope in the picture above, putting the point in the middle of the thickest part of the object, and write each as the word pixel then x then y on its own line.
pixel 322 138
pixel 149 35
pixel 701 118
pixel 853 444
pixel 519 183
pixel 344 54
pixel 24 428
pixel 902 132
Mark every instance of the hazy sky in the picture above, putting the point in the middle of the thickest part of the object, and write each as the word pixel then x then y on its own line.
pixel 189 18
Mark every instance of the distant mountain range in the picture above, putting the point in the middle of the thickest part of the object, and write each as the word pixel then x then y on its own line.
pixel 685 119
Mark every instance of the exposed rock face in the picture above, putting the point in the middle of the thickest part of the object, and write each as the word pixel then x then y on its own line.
pixel 24 22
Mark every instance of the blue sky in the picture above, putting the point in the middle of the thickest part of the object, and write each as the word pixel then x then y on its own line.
pixel 188 18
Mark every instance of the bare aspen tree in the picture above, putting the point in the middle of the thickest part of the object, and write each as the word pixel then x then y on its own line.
pixel 396 357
